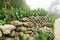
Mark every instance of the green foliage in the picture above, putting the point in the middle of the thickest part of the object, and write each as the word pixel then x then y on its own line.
pixel 1 4
pixel 39 12
pixel 2 15
pixel 51 22
pixel 50 36
pixel 17 14
pixel 2 22
pixel 20 10
pixel 42 35
pixel 21 37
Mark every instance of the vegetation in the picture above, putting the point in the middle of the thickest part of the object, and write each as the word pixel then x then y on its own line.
pixel 11 11
pixel 51 22
pixel 2 22
pixel 44 35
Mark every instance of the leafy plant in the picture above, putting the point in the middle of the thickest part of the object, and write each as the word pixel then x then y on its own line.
pixel 51 22
pixel 2 22
pixel 41 35
pixel 44 35
pixel 50 35
pixel 39 12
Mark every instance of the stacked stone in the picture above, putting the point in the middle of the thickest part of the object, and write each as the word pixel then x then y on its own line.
pixel 7 31
pixel 27 28
pixel 24 28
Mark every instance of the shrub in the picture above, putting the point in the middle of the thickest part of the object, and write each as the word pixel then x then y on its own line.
pixel 2 22
pixel 50 36
pixel 39 12
pixel 51 22
pixel 44 35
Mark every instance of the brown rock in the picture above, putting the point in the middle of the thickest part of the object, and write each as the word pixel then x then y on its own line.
pixel 9 38
pixel 26 36
pixel 23 29
pixel 31 29
pixel 28 32
pixel 13 33
pixel 26 24
pixel 16 23
pixel 16 38
pixel 25 19
pixel 21 33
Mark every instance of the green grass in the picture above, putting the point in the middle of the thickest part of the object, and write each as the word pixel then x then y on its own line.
pixel 42 35
pixel 51 22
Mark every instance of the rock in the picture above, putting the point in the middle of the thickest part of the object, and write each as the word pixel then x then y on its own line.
pixel 31 29
pixel 12 34
pixel 34 34
pixel 27 28
pixel 6 29
pixel 31 38
pixel 9 38
pixel 26 24
pixel 1 39
pixel 22 29
pixel 16 23
pixel 16 38
pixel 21 33
pixel 26 36
pixel 25 19
pixel 20 23
pixel 44 24
pixel 18 29
pixel 28 32
pixel 1 34
pixel 45 29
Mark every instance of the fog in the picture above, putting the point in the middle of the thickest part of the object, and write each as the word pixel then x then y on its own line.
pixel 34 4
pixel 52 6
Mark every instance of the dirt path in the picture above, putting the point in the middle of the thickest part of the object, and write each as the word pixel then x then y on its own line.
pixel 57 29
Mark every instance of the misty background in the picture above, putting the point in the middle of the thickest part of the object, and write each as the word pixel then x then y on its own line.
pixel 52 6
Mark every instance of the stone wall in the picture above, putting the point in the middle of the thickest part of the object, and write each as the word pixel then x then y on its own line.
pixel 27 28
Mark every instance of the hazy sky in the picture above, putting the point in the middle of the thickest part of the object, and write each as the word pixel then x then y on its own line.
pixel 39 3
